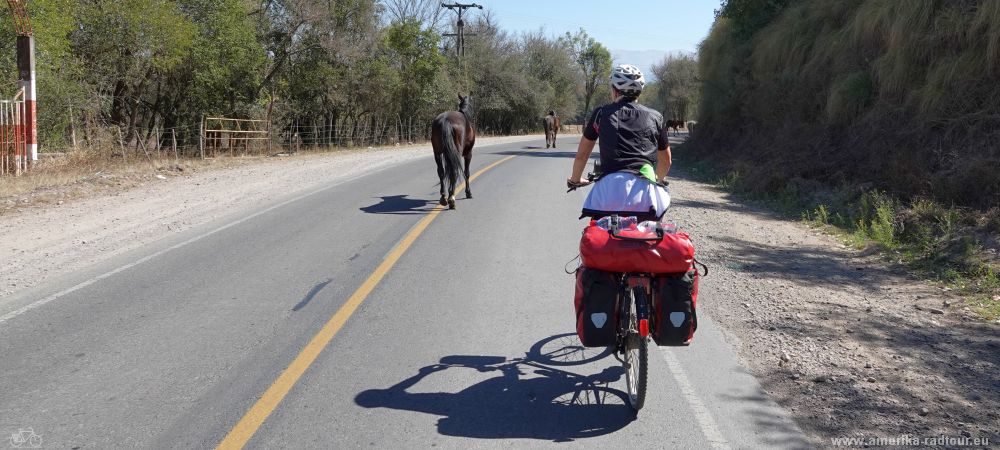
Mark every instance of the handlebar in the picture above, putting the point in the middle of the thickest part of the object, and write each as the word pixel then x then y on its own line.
pixel 592 176
pixel 573 186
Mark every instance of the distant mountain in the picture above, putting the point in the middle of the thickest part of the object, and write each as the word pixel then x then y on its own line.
pixel 645 59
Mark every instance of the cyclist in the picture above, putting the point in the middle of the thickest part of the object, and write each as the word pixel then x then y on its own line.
pixel 635 153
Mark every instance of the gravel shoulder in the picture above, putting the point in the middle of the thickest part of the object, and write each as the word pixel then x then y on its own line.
pixel 852 346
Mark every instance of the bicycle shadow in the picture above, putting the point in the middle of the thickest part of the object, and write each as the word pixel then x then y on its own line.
pixel 528 399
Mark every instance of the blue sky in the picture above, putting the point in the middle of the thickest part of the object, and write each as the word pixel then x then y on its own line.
pixel 637 31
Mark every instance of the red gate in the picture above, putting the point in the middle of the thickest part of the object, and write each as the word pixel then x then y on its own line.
pixel 14 157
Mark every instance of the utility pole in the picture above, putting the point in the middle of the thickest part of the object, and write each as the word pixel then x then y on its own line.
pixel 26 73
pixel 460 36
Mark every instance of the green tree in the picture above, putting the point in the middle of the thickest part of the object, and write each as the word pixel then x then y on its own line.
pixel 549 61
pixel 418 61
pixel 594 61
pixel 130 47
pixel 678 89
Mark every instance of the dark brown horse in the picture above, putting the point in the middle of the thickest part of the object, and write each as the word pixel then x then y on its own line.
pixel 675 124
pixel 551 125
pixel 452 137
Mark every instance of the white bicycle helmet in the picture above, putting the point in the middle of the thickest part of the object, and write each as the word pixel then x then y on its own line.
pixel 628 79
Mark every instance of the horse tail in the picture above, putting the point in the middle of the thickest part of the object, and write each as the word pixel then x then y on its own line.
pixel 453 162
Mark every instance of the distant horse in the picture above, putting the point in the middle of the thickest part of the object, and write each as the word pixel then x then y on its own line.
pixel 452 137
pixel 551 125
pixel 675 124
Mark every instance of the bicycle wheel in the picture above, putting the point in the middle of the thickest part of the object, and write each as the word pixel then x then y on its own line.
pixel 636 352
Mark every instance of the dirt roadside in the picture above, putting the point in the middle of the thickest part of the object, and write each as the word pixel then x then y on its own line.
pixel 851 345
pixel 853 348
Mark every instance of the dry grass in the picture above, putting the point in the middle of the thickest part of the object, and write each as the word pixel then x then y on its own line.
pixel 80 174
pixel 85 173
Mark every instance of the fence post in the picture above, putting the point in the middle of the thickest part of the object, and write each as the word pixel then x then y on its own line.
pixel 201 137
pixel 140 143
pixel 158 135
pixel 121 143
pixel 269 135
pixel 72 127
pixel 173 139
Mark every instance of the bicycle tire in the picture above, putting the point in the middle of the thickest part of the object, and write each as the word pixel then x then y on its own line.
pixel 636 354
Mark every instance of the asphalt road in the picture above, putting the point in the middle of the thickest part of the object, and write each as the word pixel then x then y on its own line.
pixel 466 341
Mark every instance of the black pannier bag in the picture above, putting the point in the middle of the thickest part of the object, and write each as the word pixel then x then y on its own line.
pixel 596 304
pixel 675 298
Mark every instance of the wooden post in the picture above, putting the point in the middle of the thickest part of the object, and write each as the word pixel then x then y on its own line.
pixel 138 140
pixel 121 143
pixel 72 128
pixel 173 140
pixel 201 137
pixel 157 135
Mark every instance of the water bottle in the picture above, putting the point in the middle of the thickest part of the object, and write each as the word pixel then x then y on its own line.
pixel 624 223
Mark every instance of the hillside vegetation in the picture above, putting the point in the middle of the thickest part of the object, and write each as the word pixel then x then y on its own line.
pixel 879 116
pixel 903 95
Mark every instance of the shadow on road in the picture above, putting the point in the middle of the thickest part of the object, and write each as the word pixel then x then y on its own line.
pixel 311 294
pixel 399 204
pixel 529 397
pixel 545 154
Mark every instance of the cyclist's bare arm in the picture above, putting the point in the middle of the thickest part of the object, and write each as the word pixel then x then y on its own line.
pixel 583 152
pixel 664 159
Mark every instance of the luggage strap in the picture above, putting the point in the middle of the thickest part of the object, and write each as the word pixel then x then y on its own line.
pixel 571 272
pixel 703 266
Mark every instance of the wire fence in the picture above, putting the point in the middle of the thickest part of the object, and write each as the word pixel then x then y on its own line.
pixel 212 137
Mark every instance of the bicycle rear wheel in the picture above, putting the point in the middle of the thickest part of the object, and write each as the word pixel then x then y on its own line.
pixel 636 352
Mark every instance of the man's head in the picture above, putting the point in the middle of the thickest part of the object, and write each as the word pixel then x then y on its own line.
pixel 627 81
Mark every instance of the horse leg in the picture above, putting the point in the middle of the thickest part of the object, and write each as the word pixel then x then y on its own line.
pixel 468 187
pixel 439 159
pixel 554 134
pixel 453 178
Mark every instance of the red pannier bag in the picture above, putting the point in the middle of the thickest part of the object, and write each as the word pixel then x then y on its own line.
pixel 632 250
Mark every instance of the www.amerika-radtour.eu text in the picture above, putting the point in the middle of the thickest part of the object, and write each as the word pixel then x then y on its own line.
pixel 910 441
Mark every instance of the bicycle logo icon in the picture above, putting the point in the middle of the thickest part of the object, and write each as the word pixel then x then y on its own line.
pixel 25 438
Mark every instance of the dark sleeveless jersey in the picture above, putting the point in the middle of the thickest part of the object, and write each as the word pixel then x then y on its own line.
pixel 629 135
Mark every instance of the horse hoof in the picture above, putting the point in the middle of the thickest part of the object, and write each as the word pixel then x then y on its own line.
pixel 468 195
pixel 442 202
pixel 451 204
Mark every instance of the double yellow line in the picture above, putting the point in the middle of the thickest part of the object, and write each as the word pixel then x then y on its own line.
pixel 258 413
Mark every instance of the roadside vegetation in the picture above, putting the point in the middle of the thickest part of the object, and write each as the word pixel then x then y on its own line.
pixel 875 118
pixel 124 85
pixel 123 77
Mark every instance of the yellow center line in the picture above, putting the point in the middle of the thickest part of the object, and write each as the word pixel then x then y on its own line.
pixel 258 413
